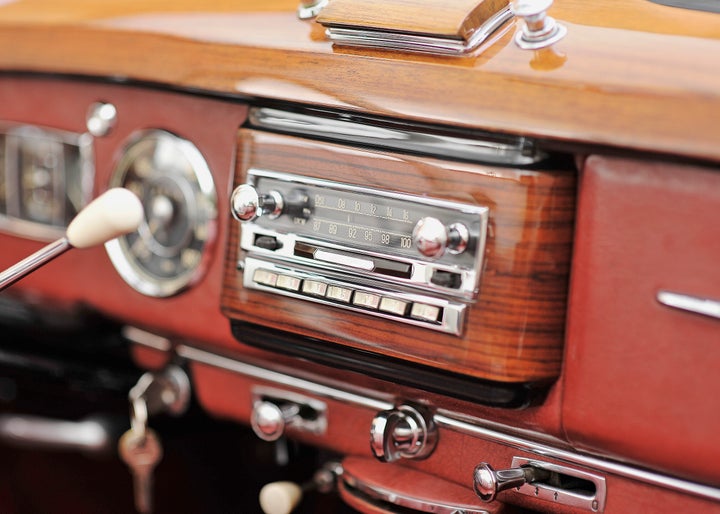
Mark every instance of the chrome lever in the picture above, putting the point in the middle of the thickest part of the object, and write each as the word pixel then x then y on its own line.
pixel 487 482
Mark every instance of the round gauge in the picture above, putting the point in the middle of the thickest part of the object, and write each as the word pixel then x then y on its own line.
pixel 175 186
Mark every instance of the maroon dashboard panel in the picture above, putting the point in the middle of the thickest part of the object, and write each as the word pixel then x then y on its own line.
pixel 87 277
pixel 641 377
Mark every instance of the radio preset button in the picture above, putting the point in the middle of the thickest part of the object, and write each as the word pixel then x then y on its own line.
pixel 425 312
pixel 288 282
pixel 340 294
pixel 367 300
pixel 315 288
pixel 393 306
pixel 265 277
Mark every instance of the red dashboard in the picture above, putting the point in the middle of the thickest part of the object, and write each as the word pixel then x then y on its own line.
pixel 434 295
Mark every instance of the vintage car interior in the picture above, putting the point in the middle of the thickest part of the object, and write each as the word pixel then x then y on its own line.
pixel 375 256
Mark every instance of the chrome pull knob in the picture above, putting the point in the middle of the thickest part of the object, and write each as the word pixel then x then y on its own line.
pixel 309 9
pixel 404 432
pixel 269 420
pixel 432 238
pixel 540 30
pixel 246 204
pixel 488 483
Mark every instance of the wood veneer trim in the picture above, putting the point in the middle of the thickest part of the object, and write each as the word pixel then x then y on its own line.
pixel 605 84
pixel 515 329
pixel 458 19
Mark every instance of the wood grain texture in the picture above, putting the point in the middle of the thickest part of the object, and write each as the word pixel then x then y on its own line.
pixel 514 333
pixel 458 19
pixel 630 73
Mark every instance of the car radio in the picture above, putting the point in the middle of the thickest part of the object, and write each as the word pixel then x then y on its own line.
pixel 404 257
pixel 449 275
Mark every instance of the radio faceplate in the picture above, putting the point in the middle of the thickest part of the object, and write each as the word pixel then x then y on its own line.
pixel 369 234
pixel 402 257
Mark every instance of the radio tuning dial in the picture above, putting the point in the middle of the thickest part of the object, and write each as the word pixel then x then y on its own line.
pixel 432 238
pixel 247 204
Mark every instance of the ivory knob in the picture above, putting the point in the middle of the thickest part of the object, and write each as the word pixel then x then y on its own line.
pixel 280 497
pixel 112 214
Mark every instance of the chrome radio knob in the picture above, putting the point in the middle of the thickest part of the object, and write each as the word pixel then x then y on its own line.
pixel 404 432
pixel 246 204
pixel 432 238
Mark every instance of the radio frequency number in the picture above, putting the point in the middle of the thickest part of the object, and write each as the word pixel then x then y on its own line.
pixel 356 207
pixel 355 232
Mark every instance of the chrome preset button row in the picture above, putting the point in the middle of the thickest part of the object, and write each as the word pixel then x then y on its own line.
pixel 433 313
pixel 363 299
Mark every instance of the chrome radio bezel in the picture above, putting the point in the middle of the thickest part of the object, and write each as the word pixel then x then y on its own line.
pixel 422 269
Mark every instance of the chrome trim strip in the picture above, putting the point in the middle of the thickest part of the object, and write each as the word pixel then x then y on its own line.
pixel 490 148
pixel 143 338
pixel 450 421
pixel 704 306
pixel 370 38
pixel 570 457
pixel 374 492
pixel 242 368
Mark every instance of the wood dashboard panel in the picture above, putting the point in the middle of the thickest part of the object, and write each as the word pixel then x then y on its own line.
pixel 514 332
pixel 630 73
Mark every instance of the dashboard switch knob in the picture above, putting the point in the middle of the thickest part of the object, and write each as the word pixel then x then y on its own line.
pixel 269 420
pixel 488 483
pixel 405 432
pixel 432 238
pixel 540 30
pixel 246 204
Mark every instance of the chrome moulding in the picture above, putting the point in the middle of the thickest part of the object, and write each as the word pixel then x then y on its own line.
pixel 402 137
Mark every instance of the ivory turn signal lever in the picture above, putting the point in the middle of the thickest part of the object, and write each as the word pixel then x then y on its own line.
pixel 112 214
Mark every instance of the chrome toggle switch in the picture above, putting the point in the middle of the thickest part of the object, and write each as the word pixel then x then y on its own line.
pixel 402 433
pixel 488 483
pixel 269 419
pixel 275 410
